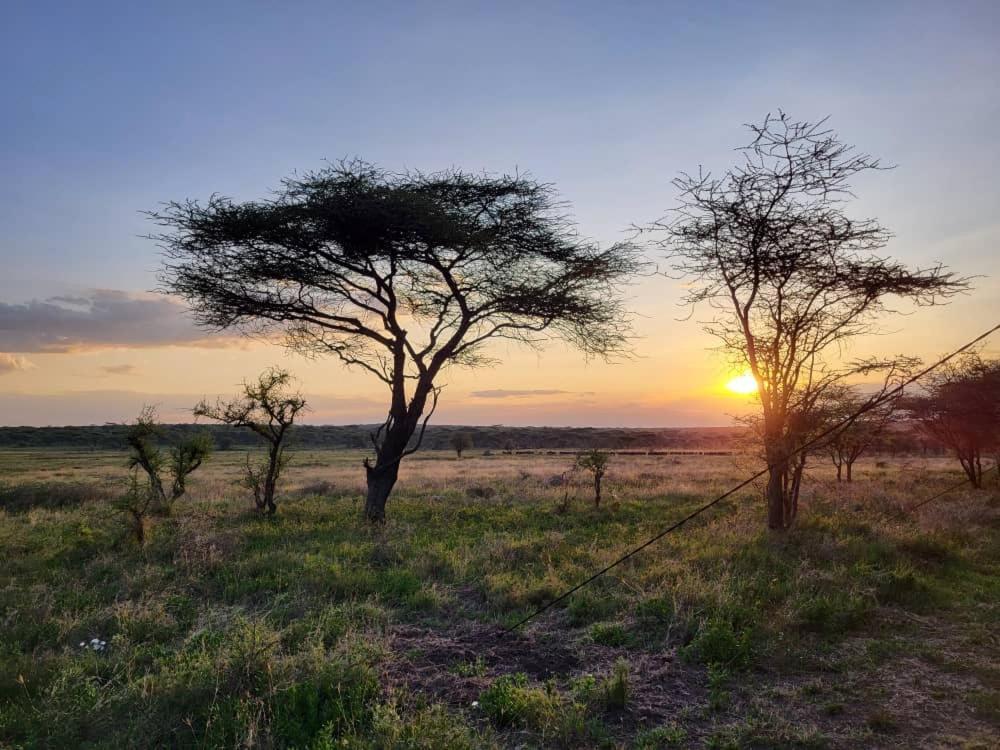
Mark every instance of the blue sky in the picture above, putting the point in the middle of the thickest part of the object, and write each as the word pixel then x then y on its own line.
pixel 112 108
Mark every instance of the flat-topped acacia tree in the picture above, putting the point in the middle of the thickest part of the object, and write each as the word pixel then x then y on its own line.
pixel 400 274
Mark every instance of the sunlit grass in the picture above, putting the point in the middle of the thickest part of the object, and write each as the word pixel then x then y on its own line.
pixel 229 628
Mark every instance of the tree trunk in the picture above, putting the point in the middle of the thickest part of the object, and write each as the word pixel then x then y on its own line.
pixel 402 425
pixel 776 498
pixel 271 481
pixel 850 468
pixel 777 492
pixel 793 493
pixel 969 466
pixel 381 480
pixel 159 506
pixel 597 490
pixel 840 472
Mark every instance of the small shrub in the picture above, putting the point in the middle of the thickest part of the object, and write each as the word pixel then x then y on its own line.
pixel 905 587
pixel 718 642
pixel 475 668
pixel 510 701
pixel 832 613
pixel 584 688
pixel 609 634
pixel 718 696
pixel 429 728
pixel 338 700
pixel 587 607
pixel 657 619
pixel 661 737
pixel 616 688
pixel 480 491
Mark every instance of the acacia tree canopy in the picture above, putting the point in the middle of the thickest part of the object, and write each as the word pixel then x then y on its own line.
pixel 960 408
pixel 399 274
pixel 789 275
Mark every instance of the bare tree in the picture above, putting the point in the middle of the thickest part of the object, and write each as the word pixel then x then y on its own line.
pixel 461 442
pixel 180 460
pixel 596 462
pixel 401 275
pixel 961 410
pixel 847 445
pixel 268 407
pixel 790 276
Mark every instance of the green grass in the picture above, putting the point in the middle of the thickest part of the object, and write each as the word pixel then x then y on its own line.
pixel 229 628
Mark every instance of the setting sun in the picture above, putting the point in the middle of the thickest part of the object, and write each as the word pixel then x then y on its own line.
pixel 743 384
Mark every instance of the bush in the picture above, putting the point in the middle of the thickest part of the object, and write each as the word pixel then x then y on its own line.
pixel 661 737
pixel 615 689
pixel 832 613
pixel 510 701
pixel 609 634
pixel 338 700
pixel 480 491
pixel 587 607
pixel 719 642
pixel 429 728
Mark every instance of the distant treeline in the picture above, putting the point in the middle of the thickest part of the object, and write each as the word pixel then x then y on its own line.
pixel 496 438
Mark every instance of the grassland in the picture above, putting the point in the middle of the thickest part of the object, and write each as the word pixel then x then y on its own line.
pixel 865 626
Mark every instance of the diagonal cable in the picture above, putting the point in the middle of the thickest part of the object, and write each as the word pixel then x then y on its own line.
pixel 872 403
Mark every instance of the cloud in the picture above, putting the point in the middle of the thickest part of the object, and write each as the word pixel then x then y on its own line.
pixel 100 406
pixel 119 369
pixel 105 318
pixel 13 363
pixel 505 393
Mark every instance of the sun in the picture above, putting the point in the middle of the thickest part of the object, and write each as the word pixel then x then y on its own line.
pixel 744 384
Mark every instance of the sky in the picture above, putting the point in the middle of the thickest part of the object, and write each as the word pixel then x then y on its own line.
pixel 110 109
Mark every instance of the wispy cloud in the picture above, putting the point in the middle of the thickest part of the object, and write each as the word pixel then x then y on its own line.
pixel 105 318
pixel 13 363
pixel 527 393
pixel 120 369
pixel 100 406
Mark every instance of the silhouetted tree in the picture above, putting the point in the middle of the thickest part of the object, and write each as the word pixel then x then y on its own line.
pixel 961 410
pixel 401 275
pixel 847 445
pixel 596 462
pixel 180 460
pixel 268 407
pixel 769 246
pixel 461 442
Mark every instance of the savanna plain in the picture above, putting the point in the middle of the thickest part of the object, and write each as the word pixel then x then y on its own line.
pixel 868 624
